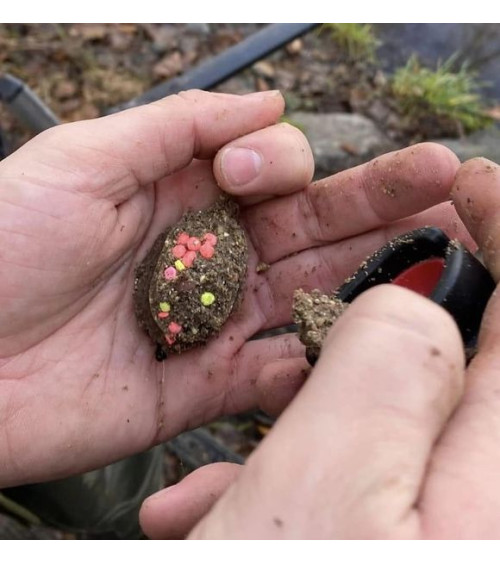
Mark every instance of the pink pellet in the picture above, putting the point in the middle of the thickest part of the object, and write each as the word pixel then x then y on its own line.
pixel 170 339
pixel 189 258
pixel 178 251
pixel 194 243
pixel 170 273
pixel 210 238
pixel 163 315
pixel 183 238
pixel 207 250
pixel 174 328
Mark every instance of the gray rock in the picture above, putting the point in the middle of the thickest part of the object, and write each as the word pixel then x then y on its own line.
pixel 484 143
pixel 201 28
pixel 341 140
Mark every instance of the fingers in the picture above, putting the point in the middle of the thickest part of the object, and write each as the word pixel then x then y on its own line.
pixel 226 380
pixel 286 166
pixel 327 267
pixel 476 193
pixel 113 156
pixel 462 495
pixel 259 385
pixel 463 487
pixel 173 512
pixel 347 458
pixel 276 160
pixel 279 382
pixel 388 188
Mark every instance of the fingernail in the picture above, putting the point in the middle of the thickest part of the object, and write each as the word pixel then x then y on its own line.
pixel 240 166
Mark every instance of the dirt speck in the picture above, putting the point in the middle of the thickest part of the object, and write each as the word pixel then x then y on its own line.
pixel 388 191
pixel 262 267
pixel 314 314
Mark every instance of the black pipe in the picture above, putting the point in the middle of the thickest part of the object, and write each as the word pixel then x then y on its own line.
pixel 212 72
pixel 4 151
pixel 25 104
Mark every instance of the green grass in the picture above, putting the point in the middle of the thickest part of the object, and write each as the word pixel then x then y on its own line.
pixel 356 39
pixel 443 93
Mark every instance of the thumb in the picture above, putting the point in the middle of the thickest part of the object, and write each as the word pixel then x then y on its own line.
pixel 113 156
pixel 172 512
pixel 348 457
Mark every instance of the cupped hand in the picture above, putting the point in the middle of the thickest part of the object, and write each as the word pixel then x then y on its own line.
pixel 391 437
pixel 81 205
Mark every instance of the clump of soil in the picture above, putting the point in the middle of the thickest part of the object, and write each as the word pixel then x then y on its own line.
pixel 192 279
pixel 315 314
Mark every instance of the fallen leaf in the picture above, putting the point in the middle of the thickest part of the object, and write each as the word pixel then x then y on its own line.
pixel 168 66
pixel 295 47
pixel 261 84
pixel 65 89
pixel 67 108
pixel 129 28
pixel 349 149
pixel 86 111
pixel 89 31
pixel 265 69
pixel 164 37
pixel 120 41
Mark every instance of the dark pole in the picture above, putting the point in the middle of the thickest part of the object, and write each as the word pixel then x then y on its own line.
pixel 25 104
pixel 221 67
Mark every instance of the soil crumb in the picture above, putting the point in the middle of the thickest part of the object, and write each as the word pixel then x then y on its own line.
pixel 315 313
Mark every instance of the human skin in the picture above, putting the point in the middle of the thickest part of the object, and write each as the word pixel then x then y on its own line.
pixel 391 437
pixel 81 204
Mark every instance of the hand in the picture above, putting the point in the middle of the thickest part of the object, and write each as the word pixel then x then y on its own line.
pixel 390 438
pixel 81 205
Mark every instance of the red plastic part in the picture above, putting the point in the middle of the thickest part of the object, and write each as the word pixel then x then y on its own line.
pixel 422 277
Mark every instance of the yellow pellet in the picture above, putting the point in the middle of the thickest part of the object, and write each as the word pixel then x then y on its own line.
pixel 207 299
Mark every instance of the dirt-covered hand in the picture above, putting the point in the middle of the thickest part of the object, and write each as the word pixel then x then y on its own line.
pixel 81 205
pixel 392 437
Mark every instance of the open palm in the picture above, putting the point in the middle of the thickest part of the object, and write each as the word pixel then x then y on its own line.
pixel 81 205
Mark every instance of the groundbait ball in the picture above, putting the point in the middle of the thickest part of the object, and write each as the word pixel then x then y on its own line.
pixel 192 278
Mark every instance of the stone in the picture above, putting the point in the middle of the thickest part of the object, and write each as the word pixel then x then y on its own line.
pixel 201 28
pixel 485 143
pixel 339 140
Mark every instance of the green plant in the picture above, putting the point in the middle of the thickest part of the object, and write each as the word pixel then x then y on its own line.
pixel 356 39
pixel 442 93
